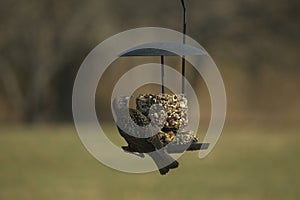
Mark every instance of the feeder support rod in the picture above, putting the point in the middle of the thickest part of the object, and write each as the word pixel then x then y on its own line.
pixel 162 61
pixel 184 40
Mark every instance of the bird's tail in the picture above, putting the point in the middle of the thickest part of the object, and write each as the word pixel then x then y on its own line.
pixel 163 161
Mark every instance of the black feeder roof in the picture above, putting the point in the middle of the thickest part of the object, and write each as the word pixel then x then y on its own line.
pixel 164 49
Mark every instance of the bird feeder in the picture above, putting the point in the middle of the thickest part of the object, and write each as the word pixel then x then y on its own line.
pixel 164 50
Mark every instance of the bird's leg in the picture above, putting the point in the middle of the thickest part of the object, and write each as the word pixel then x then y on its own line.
pixel 155 141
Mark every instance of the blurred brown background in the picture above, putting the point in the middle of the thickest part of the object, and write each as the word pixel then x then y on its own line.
pixel 254 43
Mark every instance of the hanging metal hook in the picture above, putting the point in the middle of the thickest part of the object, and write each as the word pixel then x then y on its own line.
pixel 184 40
pixel 184 19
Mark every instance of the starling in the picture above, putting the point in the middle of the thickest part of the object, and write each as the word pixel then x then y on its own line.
pixel 137 139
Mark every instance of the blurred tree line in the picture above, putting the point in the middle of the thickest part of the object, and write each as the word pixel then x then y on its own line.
pixel 254 43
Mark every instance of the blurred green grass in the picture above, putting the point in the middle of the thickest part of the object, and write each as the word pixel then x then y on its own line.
pixel 49 162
